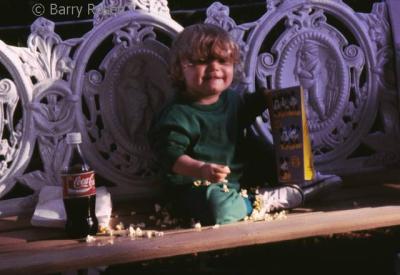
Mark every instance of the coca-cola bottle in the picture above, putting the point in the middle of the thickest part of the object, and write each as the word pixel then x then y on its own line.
pixel 79 191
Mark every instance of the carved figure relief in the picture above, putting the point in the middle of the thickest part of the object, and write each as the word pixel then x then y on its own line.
pixel 317 56
pixel 134 87
pixel 309 72
pixel 320 69
pixel 138 93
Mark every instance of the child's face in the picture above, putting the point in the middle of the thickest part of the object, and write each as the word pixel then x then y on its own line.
pixel 206 79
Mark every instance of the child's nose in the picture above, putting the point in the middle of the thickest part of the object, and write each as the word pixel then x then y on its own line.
pixel 213 64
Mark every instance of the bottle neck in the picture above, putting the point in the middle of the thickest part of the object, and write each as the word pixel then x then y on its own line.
pixel 75 159
pixel 76 150
pixel 75 146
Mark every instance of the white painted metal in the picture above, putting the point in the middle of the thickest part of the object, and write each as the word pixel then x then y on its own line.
pixel 109 84
pixel 341 58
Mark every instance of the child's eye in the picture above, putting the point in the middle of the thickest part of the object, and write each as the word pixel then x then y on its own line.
pixel 224 61
pixel 199 61
pixel 194 62
pixel 204 61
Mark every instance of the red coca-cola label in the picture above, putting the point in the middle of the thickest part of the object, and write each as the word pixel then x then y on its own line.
pixel 78 185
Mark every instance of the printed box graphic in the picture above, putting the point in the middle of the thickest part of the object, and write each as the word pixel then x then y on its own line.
pixel 290 135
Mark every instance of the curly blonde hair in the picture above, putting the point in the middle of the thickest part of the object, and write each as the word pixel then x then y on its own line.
pixel 201 42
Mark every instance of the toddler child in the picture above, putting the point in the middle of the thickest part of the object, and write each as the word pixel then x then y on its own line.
pixel 199 136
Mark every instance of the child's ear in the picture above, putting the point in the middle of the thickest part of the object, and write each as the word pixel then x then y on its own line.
pixel 180 70
pixel 181 73
pixel 181 76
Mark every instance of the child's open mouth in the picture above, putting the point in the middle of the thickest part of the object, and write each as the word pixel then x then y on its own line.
pixel 213 77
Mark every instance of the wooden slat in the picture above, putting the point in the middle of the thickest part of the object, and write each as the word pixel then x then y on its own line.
pixel 181 242
pixel 14 222
pixel 31 234
pixel 33 247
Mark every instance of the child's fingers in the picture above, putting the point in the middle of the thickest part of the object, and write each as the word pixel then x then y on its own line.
pixel 218 168
pixel 220 172
pixel 220 176
pixel 215 172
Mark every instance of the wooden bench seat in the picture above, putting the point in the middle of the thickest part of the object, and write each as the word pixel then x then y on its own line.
pixel 24 249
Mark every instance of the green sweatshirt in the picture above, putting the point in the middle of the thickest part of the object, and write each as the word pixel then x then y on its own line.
pixel 211 133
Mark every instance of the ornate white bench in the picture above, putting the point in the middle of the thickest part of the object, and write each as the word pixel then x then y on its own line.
pixel 110 82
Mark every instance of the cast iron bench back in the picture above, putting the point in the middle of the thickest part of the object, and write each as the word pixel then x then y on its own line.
pixel 109 84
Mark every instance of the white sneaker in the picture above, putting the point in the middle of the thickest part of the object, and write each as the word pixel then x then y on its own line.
pixel 276 199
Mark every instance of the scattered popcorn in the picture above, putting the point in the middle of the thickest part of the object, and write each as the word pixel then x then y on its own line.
pixel 257 204
pixel 243 193
pixel 138 232
pixel 132 232
pixel 197 183
pixel 216 226
pixel 157 207
pixel 258 216
pixel 280 215
pixel 197 225
pixel 103 229
pixel 206 183
pixel 268 217
pixel 90 239
pixel 255 215
pixel 120 226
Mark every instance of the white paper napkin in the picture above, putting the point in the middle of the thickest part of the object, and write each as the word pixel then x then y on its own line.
pixel 103 206
pixel 50 211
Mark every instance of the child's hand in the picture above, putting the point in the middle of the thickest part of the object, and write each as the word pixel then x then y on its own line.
pixel 214 172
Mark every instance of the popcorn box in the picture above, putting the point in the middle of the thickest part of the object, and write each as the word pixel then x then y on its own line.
pixel 294 160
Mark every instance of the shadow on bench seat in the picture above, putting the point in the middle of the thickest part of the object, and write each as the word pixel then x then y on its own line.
pixel 24 248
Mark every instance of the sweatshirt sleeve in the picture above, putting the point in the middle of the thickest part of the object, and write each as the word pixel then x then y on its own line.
pixel 170 140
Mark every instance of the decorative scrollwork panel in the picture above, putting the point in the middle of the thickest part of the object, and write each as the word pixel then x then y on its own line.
pixel 121 95
pixel 15 130
pixel 51 106
pixel 338 56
